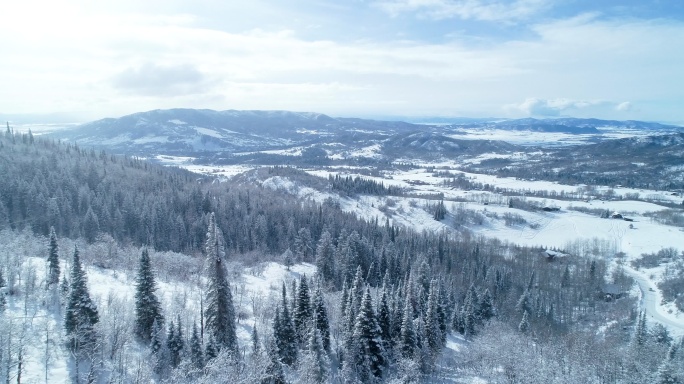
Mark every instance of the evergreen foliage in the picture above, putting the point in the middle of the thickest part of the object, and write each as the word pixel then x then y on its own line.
pixel 219 311
pixel 303 310
pixel 274 371
pixel 367 352
pixel 356 185
pixel 524 325
pixel 408 334
pixel 196 354
pixel 320 318
pixel 3 301
pixel 175 342
pixel 147 306
pixel 315 364
pixel 53 260
pixel 385 320
pixel 284 333
pixel 433 331
pixel 325 262
pixel 81 313
pixel 256 343
pixel 440 211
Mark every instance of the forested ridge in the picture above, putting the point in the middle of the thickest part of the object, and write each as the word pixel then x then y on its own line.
pixel 381 307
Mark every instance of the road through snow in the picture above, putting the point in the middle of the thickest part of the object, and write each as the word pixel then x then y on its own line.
pixel 649 300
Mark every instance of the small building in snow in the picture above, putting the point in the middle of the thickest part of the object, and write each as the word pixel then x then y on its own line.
pixel 611 292
pixel 553 255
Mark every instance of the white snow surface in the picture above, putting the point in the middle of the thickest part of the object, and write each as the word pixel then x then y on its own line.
pixel 256 287
pixel 208 132
pixel 565 229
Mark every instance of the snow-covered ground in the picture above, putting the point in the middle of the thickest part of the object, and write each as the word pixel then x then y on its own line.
pixel 549 139
pixel 41 329
pixel 566 228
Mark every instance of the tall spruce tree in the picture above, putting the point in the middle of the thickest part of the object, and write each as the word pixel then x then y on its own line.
pixel 196 354
pixel 147 306
pixel 3 302
pixel 486 309
pixel 53 260
pixel 320 318
pixel 524 325
pixel 408 334
pixel 433 332
pixel 219 311
pixel 284 333
pixel 303 311
pixel 385 319
pixel 175 342
pixel 274 370
pixel 81 313
pixel 325 261
pixel 256 343
pixel 315 365
pixel 367 352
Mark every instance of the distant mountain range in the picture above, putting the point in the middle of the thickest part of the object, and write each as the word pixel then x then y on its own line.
pixel 209 133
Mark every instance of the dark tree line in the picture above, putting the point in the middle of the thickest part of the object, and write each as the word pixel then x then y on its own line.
pixel 83 193
pixel 351 186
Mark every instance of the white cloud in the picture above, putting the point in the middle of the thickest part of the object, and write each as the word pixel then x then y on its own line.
pixel 158 80
pixel 625 106
pixel 533 106
pixel 122 62
pixel 486 10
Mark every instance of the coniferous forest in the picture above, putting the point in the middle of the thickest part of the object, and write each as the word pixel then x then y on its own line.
pixel 383 304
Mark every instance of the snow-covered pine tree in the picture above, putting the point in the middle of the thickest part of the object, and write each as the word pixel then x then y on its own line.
pixel 147 306
pixel 81 313
pixel 523 304
pixel 320 318
pixel 486 310
pixel 256 343
pixel 407 336
pixel 367 352
pixel 344 298
pixel 315 364
pixel 284 333
pixel 274 371
pixel 325 263
pixel 176 342
pixel 156 337
pixel 357 288
pixel 161 355
pixel 211 350
pixel 3 301
pixel 219 310
pixel 348 322
pixel 640 332
pixel 524 325
pixel 171 345
pixel 53 260
pixel 303 310
pixel 385 320
pixel 196 354
pixel 468 319
pixel 667 373
pixel 433 332
pixel 440 211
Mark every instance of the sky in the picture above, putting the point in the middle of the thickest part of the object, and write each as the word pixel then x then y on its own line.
pixel 88 59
